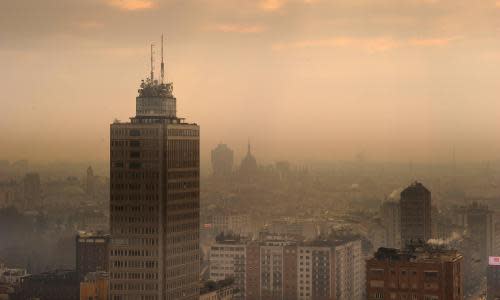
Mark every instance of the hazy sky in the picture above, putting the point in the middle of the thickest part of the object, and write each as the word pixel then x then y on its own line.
pixel 304 80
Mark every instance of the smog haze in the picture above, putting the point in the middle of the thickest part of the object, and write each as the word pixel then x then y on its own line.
pixel 304 80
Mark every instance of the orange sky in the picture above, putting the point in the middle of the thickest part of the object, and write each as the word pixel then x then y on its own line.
pixel 303 79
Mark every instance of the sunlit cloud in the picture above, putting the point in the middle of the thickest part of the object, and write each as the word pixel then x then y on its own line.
pixel 376 44
pixel 236 28
pixel 132 4
pixel 432 41
pixel 272 5
pixel 276 5
pixel 90 24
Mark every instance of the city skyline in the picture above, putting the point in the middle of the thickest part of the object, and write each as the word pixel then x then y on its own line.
pixel 275 150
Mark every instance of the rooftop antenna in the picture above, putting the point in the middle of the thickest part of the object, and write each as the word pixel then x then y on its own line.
pixel 152 63
pixel 162 64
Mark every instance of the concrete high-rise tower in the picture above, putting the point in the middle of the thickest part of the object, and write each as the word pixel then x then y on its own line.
pixel 154 200
pixel 415 207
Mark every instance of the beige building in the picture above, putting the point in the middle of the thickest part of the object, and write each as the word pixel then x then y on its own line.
pixel 227 260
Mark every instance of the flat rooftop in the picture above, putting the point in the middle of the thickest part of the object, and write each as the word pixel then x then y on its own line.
pixel 417 254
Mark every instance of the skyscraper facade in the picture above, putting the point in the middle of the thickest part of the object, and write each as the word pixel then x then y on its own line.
pixel 154 200
pixel 415 206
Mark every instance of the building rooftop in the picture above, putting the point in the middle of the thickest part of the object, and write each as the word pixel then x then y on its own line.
pixel 51 276
pixel 329 242
pixel 211 286
pixel 420 253
pixel 415 188
pixel 92 234
pixel 91 276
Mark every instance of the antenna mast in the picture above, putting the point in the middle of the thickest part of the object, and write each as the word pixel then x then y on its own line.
pixel 162 64
pixel 152 63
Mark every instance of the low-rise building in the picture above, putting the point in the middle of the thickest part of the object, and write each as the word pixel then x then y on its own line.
pixel 12 276
pixel 53 285
pixel 95 286
pixel 218 290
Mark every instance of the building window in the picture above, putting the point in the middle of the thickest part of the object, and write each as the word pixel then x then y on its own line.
pixel 135 132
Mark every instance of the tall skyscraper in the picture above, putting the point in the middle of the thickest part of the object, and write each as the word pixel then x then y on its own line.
pixel 222 161
pixel 154 200
pixel 415 205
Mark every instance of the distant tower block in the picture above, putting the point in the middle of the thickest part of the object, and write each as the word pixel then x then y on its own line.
pixel 90 182
pixel 415 206
pixel 222 161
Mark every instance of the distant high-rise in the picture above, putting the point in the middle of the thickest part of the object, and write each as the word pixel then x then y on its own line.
pixel 481 228
pixel 32 190
pixel 415 206
pixel 248 167
pixel 154 200
pixel 90 182
pixel 390 217
pixel 222 161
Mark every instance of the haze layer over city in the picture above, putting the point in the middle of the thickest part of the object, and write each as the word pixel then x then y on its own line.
pixel 304 80
pixel 250 150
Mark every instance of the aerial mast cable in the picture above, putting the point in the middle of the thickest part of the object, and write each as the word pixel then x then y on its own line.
pixel 152 64
pixel 162 64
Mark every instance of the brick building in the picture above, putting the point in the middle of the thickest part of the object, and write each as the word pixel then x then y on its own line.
pixel 419 272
